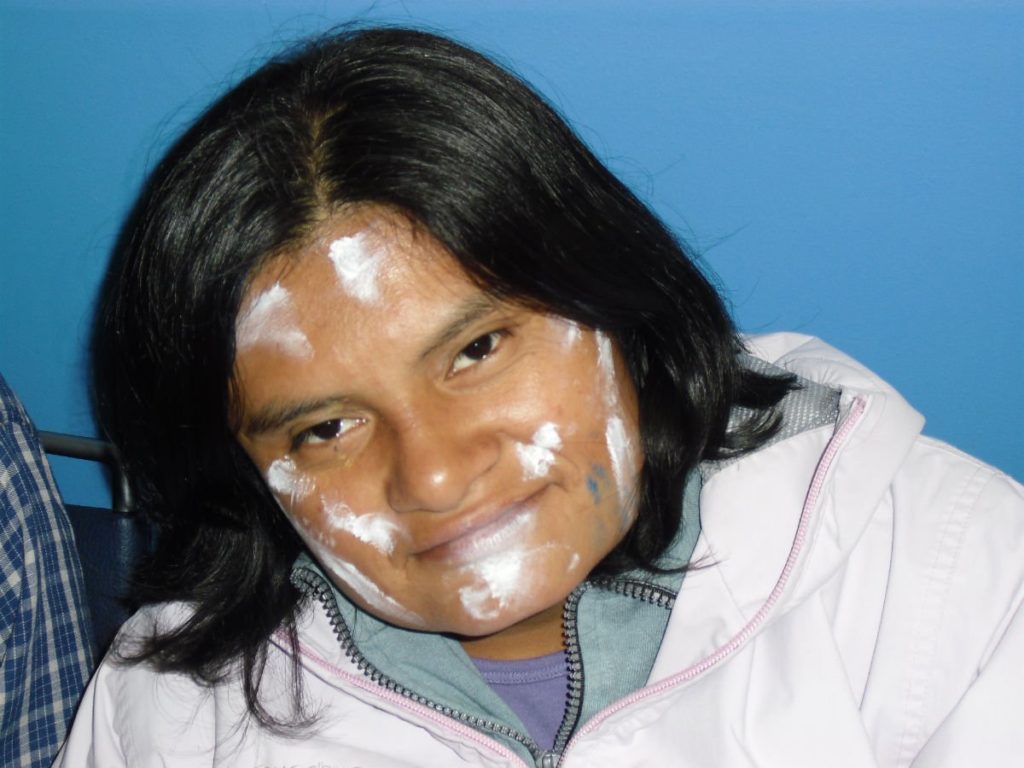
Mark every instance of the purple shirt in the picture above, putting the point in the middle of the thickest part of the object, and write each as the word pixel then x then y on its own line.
pixel 535 689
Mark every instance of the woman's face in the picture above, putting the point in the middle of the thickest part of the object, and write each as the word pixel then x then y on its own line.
pixel 455 463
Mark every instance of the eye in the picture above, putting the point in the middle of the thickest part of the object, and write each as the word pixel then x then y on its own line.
pixel 324 432
pixel 477 350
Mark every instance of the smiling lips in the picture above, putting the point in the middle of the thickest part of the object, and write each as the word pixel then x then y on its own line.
pixel 476 539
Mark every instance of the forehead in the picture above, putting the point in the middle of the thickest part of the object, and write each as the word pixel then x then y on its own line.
pixel 362 266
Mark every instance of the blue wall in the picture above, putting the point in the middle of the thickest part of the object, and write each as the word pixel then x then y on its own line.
pixel 852 170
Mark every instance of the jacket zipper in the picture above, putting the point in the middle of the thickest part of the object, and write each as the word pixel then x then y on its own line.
pixel 637 590
pixel 313 585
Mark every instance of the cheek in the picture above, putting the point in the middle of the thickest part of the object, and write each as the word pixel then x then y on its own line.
pixel 327 521
pixel 290 487
pixel 346 544
pixel 537 456
pixel 332 523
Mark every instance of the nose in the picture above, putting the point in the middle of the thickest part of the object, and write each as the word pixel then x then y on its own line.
pixel 437 458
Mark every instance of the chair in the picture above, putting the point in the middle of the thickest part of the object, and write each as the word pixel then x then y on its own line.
pixel 110 542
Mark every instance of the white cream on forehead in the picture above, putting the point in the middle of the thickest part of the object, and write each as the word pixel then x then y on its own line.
pixel 537 456
pixel 570 330
pixel 285 479
pixel 357 263
pixel 374 529
pixel 270 320
pixel 573 333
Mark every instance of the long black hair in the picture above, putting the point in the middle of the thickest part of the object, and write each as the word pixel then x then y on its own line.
pixel 420 124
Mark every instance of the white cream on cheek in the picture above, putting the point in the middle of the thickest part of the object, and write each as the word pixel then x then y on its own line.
pixel 284 478
pixel 376 530
pixel 537 456
pixel 357 263
pixel 377 600
pixel 269 319
pixel 620 447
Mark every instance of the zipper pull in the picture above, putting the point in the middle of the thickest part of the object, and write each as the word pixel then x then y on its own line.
pixel 548 760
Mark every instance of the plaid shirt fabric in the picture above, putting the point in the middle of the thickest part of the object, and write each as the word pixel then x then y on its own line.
pixel 45 652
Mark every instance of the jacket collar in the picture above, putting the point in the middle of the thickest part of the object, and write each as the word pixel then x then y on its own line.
pixel 777 524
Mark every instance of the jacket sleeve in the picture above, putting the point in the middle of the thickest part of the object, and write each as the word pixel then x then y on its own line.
pixel 987 725
pixel 963 687
pixel 92 741
pixel 133 716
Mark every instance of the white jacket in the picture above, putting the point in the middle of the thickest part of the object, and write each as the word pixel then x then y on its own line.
pixel 864 610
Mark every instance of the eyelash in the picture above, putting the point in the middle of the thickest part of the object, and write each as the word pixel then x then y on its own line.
pixel 495 337
pixel 337 426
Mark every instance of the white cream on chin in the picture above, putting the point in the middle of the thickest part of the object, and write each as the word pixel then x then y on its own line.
pixel 496 581
pixel 357 264
pixel 269 319
pixel 537 456
pixel 501 579
pixel 497 564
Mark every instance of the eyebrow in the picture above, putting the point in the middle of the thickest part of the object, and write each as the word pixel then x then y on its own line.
pixel 275 416
pixel 470 312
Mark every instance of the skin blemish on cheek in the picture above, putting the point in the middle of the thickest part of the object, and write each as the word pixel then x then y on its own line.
pixel 269 319
pixel 373 529
pixel 537 456
pixel 594 489
pixel 357 263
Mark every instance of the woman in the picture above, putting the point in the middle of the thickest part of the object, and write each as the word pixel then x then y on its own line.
pixel 458 459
